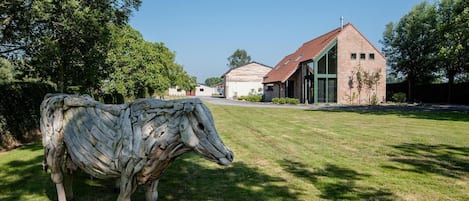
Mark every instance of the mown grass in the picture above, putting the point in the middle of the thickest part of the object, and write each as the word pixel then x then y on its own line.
pixel 291 154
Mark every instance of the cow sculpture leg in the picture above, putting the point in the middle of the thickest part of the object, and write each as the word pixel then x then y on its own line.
pixel 54 160
pixel 151 191
pixel 128 185
pixel 71 167
pixel 68 185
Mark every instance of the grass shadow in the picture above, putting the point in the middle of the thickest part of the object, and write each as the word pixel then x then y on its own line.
pixel 31 147
pixel 189 180
pixel 442 159
pixel 186 179
pixel 418 112
pixel 336 183
pixel 21 177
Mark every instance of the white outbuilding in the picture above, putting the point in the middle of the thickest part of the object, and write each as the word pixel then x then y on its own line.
pixel 245 80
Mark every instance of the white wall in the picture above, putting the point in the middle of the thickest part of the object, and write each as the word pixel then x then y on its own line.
pixel 202 90
pixel 243 80
pixel 174 92
pixel 237 89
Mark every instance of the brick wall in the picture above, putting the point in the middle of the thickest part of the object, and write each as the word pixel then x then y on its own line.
pixel 352 41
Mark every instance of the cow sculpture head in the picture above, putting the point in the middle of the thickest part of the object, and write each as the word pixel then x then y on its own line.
pixel 198 131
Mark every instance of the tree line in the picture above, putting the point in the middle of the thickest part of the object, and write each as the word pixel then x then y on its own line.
pixel 430 44
pixel 85 46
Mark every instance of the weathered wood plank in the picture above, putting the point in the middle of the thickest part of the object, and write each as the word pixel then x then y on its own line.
pixel 135 140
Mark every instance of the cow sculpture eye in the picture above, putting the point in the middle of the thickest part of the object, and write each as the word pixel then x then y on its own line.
pixel 201 126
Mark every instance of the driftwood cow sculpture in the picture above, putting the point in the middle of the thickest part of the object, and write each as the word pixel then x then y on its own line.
pixel 133 142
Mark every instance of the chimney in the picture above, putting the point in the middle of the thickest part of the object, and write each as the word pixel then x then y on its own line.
pixel 341 23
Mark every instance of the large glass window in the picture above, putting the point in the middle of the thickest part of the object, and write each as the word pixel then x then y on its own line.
pixel 322 65
pixel 322 90
pixel 327 81
pixel 332 90
pixel 332 61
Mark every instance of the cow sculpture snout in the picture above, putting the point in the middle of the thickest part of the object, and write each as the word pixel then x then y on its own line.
pixel 198 132
pixel 132 142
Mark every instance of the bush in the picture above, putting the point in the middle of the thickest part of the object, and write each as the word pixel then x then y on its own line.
pixel 19 111
pixel 251 98
pixel 276 100
pixel 374 100
pixel 399 97
pixel 7 140
pixel 293 101
pixel 112 98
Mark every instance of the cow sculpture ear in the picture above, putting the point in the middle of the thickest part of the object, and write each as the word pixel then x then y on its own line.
pixel 189 107
pixel 188 136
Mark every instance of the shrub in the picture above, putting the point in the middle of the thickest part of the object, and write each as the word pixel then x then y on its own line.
pixel 7 140
pixel 293 101
pixel 399 97
pixel 276 100
pixel 374 100
pixel 251 98
pixel 19 111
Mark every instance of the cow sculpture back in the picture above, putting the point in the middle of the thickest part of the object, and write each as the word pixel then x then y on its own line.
pixel 133 142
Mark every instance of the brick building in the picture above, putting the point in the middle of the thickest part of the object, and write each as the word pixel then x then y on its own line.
pixel 324 70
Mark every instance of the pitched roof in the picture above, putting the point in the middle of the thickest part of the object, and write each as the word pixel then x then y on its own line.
pixel 309 50
pixel 252 62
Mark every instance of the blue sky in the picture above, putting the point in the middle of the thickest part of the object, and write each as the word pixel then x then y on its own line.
pixel 204 33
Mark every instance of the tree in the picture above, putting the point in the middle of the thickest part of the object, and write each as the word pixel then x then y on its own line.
pixel 238 58
pixel 190 84
pixel 371 81
pixel 65 41
pixel 360 81
pixel 7 71
pixel 212 81
pixel 142 68
pixel 452 29
pixel 410 45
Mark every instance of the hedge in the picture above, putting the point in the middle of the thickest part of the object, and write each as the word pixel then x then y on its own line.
pixel 293 101
pixel 19 111
pixel 251 98
pixel 431 93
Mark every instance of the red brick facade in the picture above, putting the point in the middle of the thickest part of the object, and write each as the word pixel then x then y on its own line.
pixel 349 42
pixel 297 74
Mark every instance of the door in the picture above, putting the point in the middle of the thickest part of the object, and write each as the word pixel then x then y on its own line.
pixel 290 89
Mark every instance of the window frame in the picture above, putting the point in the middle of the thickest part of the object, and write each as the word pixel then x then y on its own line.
pixel 325 77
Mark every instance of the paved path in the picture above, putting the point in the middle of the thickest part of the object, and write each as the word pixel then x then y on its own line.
pixel 223 101
pixel 334 107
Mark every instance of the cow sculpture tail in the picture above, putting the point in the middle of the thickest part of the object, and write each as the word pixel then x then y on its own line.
pixel 53 136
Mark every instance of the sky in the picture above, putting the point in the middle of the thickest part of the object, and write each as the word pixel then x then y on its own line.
pixel 204 33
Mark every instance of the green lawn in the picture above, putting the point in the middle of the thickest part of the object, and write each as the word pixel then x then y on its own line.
pixel 291 154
